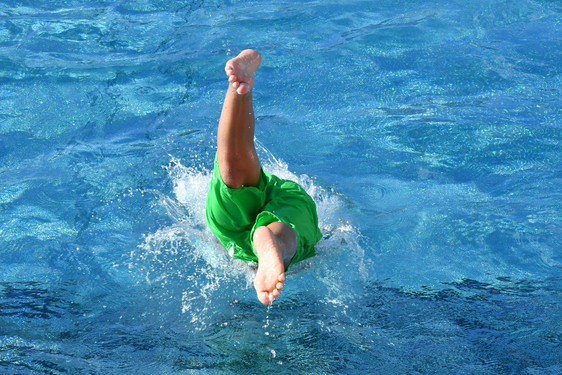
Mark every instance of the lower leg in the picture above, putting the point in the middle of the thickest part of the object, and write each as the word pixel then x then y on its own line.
pixel 237 157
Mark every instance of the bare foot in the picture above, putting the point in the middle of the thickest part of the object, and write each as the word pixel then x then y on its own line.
pixel 240 70
pixel 271 271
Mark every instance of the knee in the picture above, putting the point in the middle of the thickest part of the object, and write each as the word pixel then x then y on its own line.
pixel 234 175
pixel 231 178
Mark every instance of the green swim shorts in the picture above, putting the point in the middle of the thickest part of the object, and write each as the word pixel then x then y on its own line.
pixel 234 214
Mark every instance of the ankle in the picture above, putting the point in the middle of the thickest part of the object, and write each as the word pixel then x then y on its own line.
pixel 267 243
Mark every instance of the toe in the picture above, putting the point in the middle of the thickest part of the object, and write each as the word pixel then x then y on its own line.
pixel 264 298
pixel 243 88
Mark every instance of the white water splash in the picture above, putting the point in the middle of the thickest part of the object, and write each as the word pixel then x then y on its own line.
pixel 187 252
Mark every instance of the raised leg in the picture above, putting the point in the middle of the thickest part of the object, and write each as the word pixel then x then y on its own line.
pixel 238 161
pixel 239 166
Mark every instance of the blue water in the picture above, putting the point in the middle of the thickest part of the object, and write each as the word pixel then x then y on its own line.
pixel 428 132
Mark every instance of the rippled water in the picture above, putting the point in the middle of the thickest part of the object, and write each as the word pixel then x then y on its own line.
pixel 428 133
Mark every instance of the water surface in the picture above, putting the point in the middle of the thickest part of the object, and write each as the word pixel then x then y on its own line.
pixel 428 132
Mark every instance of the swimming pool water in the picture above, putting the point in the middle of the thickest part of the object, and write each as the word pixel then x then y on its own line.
pixel 428 132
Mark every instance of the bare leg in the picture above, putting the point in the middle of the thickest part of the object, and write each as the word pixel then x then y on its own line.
pixel 239 166
pixel 238 161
